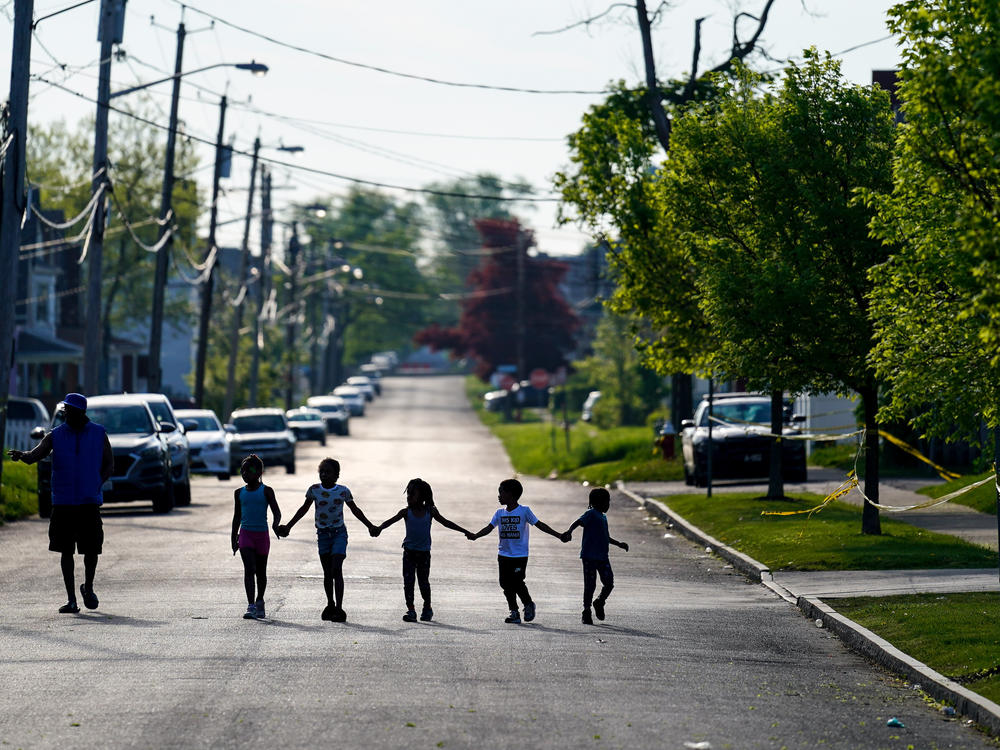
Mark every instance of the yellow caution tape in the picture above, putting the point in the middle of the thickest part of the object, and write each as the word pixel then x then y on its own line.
pixel 849 484
pixel 933 501
pixel 943 472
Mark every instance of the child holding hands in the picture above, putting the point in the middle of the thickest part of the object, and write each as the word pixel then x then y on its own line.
pixel 418 514
pixel 331 532
pixel 250 535
pixel 594 552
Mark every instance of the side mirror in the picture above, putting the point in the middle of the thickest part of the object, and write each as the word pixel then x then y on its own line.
pixel 686 423
pixel 168 427
pixel 189 425
pixel 229 428
pixel 37 433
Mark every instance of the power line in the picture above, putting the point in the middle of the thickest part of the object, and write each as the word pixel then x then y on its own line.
pixel 377 68
pixel 314 170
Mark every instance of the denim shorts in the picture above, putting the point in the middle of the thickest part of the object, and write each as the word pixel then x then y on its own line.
pixel 332 541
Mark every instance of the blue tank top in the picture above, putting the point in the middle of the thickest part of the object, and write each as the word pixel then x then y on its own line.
pixel 418 531
pixel 253 509
pixel 77 456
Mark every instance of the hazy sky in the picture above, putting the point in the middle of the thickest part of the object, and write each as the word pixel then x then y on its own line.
pixel 371 125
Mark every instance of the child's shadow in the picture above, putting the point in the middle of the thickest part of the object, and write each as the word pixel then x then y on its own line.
pixel 293 625
pixel 547 629
pixel 445 626
pixel 369 628
pixel 616 629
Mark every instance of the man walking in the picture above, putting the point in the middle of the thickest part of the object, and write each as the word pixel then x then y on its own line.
pixel 82 461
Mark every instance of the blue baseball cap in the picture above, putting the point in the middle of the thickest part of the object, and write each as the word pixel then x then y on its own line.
pixel 76 400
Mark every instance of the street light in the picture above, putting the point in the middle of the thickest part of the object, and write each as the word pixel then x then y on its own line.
pixel 153 370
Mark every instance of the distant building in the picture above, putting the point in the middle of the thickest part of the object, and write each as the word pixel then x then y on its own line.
pixel 584 287
pixel 888 80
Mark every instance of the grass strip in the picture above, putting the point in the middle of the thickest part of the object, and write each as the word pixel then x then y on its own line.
pixel 538 445
pixel 828 540
pixel 19 491
pixel 957 635
pixel 983 499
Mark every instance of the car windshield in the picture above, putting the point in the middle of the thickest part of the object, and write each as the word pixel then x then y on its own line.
pixel 259 423
pixel 738 413
pixel 161 411
pixel 121 420
pixel 205 423
pixel 305 417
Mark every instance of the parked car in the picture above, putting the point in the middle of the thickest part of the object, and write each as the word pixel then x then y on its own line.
pixel 364 384
pixel 208 440
pixel 143 468
pixel 741 448
pixel 587 415
pixel 263 432
pixel 23 416
pixel 335 412
pixel 307 424
pixel 495 400
pixel 375 375
pixel 180 450
pixel 353 397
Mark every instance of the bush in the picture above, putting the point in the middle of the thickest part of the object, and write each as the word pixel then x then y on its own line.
pixel 19 491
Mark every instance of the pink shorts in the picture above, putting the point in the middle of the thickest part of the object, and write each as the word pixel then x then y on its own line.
pixel 258 541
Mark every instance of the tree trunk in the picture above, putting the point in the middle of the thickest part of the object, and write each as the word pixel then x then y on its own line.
pixel 776 483
pixel 681 400
pixel 870 523
pixel 654 98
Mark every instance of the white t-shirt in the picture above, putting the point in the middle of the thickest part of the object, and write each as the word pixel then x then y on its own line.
pixel 329 504
pixel 513 528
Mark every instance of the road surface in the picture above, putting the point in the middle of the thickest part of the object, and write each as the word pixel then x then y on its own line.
pixel 691 655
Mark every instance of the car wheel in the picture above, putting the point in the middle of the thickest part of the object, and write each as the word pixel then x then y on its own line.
pixel 345 430
pixel 290 467
pixel 164 500
pixel 688 479
pixel 182 493
pixel 322 440
pixel 224 476
pixel 45 504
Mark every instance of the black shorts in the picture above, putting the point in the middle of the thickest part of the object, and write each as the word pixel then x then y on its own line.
pixel 76 526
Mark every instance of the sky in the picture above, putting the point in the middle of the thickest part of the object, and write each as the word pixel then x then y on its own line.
pixel 356 122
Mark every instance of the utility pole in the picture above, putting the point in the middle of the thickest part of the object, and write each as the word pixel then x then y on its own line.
pixel 234 334
pixel 14 201
pixel 293 314
pixel 521 248
pixel 211 259
pixel 264 282
pixel 155 371
pixel 109 33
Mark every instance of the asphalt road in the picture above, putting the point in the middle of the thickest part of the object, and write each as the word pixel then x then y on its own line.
pixel 690 653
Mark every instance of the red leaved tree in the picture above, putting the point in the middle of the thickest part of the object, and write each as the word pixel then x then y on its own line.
pixel 514 314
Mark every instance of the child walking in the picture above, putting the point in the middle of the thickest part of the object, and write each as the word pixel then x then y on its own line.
pixel 250 534
pixel 512 550
pixel 331 532
pixel 594 553
pixel 418 514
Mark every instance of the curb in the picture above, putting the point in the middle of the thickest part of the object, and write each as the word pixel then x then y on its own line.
pixel 981 710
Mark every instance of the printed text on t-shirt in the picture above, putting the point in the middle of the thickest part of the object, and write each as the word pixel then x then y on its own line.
pixel 510 527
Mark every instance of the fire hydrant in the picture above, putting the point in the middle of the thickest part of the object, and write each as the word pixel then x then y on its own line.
pixel 666 440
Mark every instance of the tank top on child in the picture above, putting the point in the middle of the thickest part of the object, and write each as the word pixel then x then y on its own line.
pixel 418 531
pixel 253 509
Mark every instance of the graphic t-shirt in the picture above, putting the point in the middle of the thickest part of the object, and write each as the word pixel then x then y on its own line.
pixel 513 528
pixel 595 535
pixel 329 502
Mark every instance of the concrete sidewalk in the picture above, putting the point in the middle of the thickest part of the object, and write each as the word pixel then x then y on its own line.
pixel 807 590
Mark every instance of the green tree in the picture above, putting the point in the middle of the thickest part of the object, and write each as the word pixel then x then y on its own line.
pixel 629 390
pixel 936 303
pixel 764 185
pixel 59 162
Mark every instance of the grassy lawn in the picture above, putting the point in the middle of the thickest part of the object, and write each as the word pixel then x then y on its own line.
pixel 983 499
pixel 828 540
pixel 537 445
pixel 19 492
pixel 956 634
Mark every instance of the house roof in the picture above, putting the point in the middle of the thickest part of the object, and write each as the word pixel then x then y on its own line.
pixel 37 347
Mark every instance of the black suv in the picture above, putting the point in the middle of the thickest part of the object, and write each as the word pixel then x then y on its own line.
pixel 741 448
pixel 143 468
